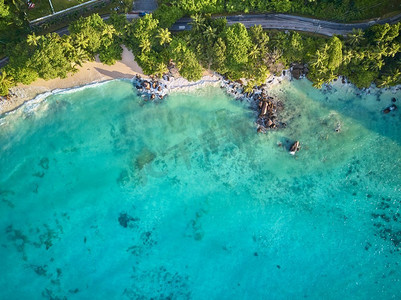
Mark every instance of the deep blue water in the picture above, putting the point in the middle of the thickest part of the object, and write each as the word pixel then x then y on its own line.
pixel 103 196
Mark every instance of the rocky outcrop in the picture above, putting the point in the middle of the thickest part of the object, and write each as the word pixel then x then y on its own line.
pixel 298 70
pixel 149 88
pixel 266 106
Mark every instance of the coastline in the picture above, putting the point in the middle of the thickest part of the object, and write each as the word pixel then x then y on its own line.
pixel 97 72
pixel 90 72
pixel 127 68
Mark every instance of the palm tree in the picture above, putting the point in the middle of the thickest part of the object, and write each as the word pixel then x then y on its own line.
pixel 254 53
pixel 318 83
pixel 319 59
pixel 6 82
pixel 81 40
pixel 396 74
pixel 392 78
pixel 356 37
pixel 145 45
pixel 161 68
pixel 376 52
pixel 249 87
pixel 347 56
pixel 210 33
pixel 331 77
pixel 198 22
pixel 164 36
pixel 108 31
pixel 359 55
pixel 393 49
pixel 80 56
pixel 33 39
pixel 376 65
pixel 68 46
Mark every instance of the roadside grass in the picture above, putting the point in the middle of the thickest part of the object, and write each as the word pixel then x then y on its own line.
pixel 61 22
pixel 42 7
pixel 64 4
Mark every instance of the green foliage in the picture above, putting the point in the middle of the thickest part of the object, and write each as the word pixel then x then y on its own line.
pixel 335 54
pixel 49 59
pixel 50 56
pixel 346 10
pixel 6 82
pixel 219 56
pixel 234 51
pixel 384 33
pixel 238 43
pixel 13 23
pixel 185 60
pixel 92 33
pixel 108 55
pixel 168 15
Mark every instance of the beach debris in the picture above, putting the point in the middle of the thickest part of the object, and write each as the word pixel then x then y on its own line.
pixel 392 107
pixel 295 148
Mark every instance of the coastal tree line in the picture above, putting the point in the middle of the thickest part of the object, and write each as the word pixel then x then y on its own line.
pixel 234 51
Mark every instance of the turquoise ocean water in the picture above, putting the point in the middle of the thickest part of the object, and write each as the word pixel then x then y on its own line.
pixel 103 196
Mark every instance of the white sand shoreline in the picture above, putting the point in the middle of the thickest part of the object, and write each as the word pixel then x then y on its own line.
pixel 90 72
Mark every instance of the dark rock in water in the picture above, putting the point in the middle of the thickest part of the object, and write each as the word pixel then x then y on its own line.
pixel 124 219
pixel 295 148
pixel 41 271
pixel 146 85
pixel 298 70
pixel 44 163
pixel 393 100
pixel 39 174
pixel 146 156
pixel 392 107
pixel 278 267
pixel 264 108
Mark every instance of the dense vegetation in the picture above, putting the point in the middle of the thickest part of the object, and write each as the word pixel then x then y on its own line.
pixel 234 51
pixel 51 56
pixel 337 10
pixel 15 16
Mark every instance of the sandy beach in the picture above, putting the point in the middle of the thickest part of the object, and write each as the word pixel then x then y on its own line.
pixel 92 72
pixel 89 72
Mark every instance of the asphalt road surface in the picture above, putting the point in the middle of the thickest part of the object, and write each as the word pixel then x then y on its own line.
pixel 289 22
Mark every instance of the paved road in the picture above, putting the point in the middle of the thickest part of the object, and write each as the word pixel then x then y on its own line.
pixel 288 22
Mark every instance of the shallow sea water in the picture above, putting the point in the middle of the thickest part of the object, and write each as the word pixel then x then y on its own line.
pixel 103 196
